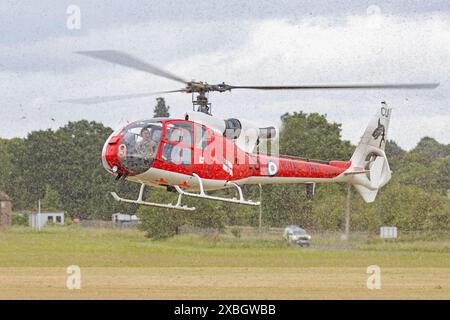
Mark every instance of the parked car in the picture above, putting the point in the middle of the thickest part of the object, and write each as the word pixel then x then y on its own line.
pixel 296 235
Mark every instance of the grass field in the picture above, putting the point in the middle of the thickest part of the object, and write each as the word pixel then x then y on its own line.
pixel 123 264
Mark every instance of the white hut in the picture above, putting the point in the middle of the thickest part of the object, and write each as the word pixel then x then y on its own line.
pixel 37 220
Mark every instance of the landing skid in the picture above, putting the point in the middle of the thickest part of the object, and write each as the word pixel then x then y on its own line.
pixel 203 195
pixel 139 200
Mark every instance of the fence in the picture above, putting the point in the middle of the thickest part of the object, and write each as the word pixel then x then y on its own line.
pixel 333 237
pixel 100 224
pixel 276 233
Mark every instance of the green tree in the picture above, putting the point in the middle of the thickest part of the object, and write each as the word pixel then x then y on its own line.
pixel 441 176
pixel 432 177
pixel 406 206
pixel 395 154
pixel 34 163
pixel 161 110
pixel 6 167
pixel 328 207
pixel 69 160
pixel 159 223
pixel 427 150
pixel 51 201
pixel 11 178
pixel 310 136
pixel 83 183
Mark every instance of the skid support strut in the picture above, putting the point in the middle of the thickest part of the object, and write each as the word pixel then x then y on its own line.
pixel 139 201
pixel 203 195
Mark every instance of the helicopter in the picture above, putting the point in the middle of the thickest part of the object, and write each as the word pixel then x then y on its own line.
pixel 197 153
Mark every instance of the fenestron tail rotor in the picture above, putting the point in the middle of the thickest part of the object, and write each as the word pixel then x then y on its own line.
pixel 202 88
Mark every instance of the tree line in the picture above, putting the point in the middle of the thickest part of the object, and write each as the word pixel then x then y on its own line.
pixel 63 168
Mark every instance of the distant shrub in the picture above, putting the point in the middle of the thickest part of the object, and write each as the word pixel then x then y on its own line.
pixel 236 231
pixel 18 219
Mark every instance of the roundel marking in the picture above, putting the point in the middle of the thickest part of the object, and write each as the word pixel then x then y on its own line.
pixel 272 168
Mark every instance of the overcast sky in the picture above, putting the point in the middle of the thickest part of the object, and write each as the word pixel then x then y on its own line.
pixel 251 42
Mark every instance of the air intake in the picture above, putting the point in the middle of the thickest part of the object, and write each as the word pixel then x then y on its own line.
pixel 233 128
pixel 267 133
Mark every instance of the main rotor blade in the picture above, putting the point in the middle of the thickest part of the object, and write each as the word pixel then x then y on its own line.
pixel 124 59
pixel 344 86
pixel 95 100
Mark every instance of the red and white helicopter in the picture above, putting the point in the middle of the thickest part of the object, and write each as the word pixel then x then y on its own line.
pixel 199 152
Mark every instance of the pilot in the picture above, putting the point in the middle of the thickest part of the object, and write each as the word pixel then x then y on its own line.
pixel 146 146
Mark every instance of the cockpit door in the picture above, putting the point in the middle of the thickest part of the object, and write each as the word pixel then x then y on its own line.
pixel 178 143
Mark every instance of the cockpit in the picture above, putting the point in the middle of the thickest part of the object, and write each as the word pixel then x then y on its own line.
pixel 139 145
pixel 134 149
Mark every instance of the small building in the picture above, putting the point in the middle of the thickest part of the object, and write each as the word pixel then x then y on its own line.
pixel 121 219
pixel 388 232
pixel 38 220
pixel 5 209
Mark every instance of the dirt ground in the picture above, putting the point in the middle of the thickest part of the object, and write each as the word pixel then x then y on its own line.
pixel 225 283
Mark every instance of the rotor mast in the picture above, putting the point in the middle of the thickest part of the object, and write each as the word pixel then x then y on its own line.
pixel 201 102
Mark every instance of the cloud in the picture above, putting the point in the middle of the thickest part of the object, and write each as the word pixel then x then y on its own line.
pixel 366 48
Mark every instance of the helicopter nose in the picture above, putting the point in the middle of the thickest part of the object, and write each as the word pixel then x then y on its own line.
pixel 110 157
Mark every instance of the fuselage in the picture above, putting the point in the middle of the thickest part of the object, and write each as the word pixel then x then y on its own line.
pixel 180 148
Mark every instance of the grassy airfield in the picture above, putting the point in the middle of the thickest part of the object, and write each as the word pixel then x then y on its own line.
pixel 123 264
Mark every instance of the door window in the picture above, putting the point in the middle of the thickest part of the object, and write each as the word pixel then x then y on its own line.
pixel 178 143
pixel 177 154
pixel 200 137
pixel 179 132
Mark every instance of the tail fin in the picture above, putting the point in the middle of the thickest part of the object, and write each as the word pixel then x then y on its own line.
pixel 370 170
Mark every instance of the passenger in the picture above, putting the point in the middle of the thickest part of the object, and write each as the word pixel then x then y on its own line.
pixel 146 147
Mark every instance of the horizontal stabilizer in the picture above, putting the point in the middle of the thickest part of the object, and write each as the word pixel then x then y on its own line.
pixel 352 172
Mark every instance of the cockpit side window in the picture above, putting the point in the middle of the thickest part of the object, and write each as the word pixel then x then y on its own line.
pixel 178 143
